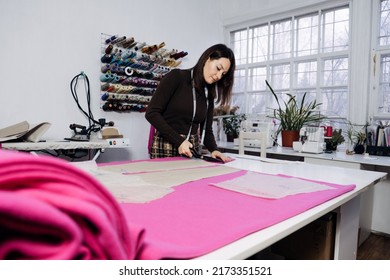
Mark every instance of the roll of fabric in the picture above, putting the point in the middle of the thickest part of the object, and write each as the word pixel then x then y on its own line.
pixel 50 209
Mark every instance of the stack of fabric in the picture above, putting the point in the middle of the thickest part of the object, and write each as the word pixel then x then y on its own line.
pixel 49 209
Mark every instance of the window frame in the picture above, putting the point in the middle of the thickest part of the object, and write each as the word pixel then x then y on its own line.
pixel 378 52
pixel 319 56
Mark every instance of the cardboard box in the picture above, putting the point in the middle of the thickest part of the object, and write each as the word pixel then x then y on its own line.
pixel 312 242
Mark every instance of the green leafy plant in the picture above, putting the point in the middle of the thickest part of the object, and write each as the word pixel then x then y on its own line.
pixel 294 115
pixel 356 133
pixel 337 137
pixel 231 124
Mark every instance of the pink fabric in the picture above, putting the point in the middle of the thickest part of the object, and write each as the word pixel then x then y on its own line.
pixel 151 136
pixel 52 210
pixel 197 218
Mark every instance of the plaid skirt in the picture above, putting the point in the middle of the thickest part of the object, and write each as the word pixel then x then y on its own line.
pixel 162 148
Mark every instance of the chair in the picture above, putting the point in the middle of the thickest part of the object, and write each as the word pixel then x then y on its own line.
pixel 246 135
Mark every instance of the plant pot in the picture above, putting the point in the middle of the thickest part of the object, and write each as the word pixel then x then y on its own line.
pixel 359 149
pixel 230 138
pixel 289 136
pixel 330 145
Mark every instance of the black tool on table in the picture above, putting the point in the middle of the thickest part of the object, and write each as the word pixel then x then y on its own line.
pixel 196 154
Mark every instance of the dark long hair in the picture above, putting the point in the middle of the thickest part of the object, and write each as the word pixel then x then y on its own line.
pixel 225 84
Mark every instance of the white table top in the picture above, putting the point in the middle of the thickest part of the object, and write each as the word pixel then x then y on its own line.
pixel 55 145
pixel 260 240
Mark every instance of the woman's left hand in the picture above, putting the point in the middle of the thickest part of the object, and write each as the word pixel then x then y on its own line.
pixel 218 154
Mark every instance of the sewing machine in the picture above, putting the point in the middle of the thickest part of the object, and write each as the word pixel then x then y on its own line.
pixel 257 125
pixel 311 140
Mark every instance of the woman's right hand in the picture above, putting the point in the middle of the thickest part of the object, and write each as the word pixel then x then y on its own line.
pixel 184 148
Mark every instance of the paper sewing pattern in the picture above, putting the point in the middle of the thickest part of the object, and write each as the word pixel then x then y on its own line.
pixel 147 186
pixel 125 188
pixel 152 166
pixel 270 186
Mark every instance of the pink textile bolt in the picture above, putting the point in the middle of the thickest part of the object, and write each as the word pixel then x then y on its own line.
pixel 50 209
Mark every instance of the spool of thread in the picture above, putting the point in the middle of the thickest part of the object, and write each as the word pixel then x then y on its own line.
pixel 110 39
pixel 109 48
pixel 105 86
pixel 110 88
pixel 107 58
pixel 129 71
pixel 107 106
pixel 132 45
pixel 148 75
pixel 118 40
pixel 115 78
pixel 126 54
pixel 105 78
pixel 121 70
pixel 114 69
pixel 125 89
pixel 133 54
pixel 129 89
pixel 119 53
pixel 105 68
pixel 121 89
pixel 115 88
pixel 125 82
pixel 105 96
pixel 139 45
pixel 123 62
pixel 128 42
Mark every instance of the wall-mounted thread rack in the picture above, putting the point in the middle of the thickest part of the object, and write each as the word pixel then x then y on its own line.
pixel 131 71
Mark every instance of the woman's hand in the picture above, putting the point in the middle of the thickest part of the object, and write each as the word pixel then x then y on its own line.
pixel 184 148
pixel 218 154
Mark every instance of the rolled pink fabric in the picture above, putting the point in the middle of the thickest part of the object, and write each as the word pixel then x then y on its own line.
pixel 50 209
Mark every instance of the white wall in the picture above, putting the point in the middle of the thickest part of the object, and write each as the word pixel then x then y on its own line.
pixel 45 43
pixel 235 11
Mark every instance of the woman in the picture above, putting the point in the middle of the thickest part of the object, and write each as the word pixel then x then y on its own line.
pixel 171 109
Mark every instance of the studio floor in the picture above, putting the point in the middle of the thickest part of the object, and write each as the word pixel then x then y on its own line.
pixel 376 247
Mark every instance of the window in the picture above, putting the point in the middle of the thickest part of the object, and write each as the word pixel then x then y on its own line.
pixel 384 26
pixel 281 39
pixel 296 54
pixel 382 56
pixel 306 34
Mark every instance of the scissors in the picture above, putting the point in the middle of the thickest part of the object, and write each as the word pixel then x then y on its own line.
pixel 196 154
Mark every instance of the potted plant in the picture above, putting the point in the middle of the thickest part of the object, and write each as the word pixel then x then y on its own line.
pixel 294 115
pixel 336 139
pixel 231 126
pixel 357 138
